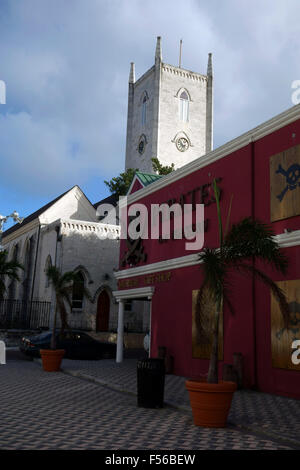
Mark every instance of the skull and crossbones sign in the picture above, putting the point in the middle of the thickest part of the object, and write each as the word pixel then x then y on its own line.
pixel 292 175
pixel 294 322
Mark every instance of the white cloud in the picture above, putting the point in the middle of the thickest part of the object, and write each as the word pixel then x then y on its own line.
pixel 66 65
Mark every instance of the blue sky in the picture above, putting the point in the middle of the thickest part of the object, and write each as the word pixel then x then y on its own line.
pixel 66 64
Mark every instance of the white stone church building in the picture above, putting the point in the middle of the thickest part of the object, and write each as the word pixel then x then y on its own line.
pixel 67 233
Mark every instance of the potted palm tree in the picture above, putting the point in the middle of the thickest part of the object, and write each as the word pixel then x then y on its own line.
pixel 239 246
pixel 63 287
pixel 9 269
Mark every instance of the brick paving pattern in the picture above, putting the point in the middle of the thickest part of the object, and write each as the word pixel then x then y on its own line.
pixel 275 416
pixel 57 411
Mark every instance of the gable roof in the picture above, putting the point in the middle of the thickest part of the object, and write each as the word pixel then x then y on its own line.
pixel 112 199
pixel 34 215
pixel 144 178
pixel 147 178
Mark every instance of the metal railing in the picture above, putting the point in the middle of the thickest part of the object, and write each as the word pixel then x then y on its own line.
pixel 20 314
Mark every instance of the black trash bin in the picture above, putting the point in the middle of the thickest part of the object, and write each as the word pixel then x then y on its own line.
pixel 150 383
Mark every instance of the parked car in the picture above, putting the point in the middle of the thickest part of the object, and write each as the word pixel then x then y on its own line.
pixel 77 344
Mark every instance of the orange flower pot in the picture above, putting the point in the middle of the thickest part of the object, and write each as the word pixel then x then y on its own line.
pixel 51 359
pixel 210 402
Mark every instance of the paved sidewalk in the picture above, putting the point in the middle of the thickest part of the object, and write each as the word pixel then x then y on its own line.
pixel 269 416
pixel 58 411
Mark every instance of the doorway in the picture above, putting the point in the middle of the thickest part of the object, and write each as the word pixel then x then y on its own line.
pixel 103 306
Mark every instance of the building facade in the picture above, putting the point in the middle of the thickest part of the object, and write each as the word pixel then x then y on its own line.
pixel 66 233
pixel 261 171
pixel 170 115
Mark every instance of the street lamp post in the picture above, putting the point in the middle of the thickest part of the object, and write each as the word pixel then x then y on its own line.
pixel 3 219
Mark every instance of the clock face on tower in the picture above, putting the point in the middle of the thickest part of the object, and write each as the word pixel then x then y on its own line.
pixel 182 144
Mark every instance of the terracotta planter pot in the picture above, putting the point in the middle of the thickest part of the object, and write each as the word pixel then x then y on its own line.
pixel 210 402
pixel 51 359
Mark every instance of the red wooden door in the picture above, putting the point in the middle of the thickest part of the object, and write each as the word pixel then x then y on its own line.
pixel 103 312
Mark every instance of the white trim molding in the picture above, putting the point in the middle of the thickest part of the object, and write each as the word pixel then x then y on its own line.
pixel 288 239
pixel 100 229
pixel 137 293
pixel 285 240
pixel 175 263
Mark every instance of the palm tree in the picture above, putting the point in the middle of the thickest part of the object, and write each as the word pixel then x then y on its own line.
pixel 240 246
pixel 63 287
pixel 9 269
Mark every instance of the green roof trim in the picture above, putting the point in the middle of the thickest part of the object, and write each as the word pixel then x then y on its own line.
pixel 147 178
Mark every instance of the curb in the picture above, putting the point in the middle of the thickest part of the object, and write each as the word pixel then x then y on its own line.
pixel 97 381
pixel 92 379
pixel 103 383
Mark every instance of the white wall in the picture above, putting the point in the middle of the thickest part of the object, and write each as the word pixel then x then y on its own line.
pixel 173 80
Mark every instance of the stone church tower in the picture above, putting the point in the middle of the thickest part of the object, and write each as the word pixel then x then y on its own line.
pixel 170 115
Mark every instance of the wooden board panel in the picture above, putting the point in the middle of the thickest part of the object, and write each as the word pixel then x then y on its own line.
pixel 282 338
pixel 285 184
pixel 201 348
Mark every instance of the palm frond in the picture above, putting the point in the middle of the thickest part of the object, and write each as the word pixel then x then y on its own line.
pixel 278 293
pixel 63 285
pixel 228 216
pixel 8 269
pixel 53 275
pixel 68 277
pixel 251 238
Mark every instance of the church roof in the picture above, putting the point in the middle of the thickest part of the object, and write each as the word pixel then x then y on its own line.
pixel 34 215
pixel 112 199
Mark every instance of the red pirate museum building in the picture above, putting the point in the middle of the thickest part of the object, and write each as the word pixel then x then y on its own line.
pixel 260 172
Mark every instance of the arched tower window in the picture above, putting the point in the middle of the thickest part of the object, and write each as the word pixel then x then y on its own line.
pixel 144 108
pixel 184 106
pixel 78 291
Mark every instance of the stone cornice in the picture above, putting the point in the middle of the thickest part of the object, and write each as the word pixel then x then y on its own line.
pixel 183 72
pixel 100 229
